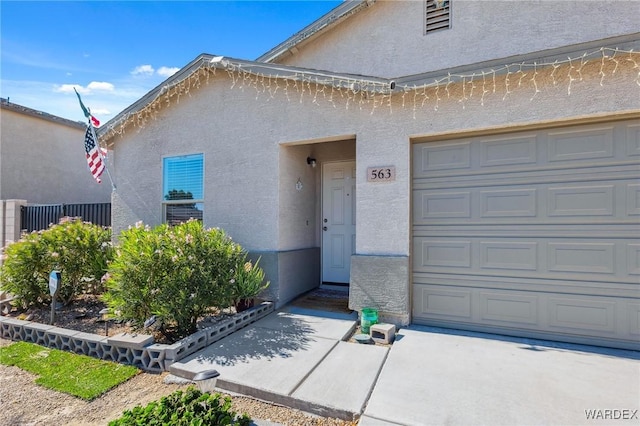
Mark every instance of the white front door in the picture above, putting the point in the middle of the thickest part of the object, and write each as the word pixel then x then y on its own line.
pixel 338 220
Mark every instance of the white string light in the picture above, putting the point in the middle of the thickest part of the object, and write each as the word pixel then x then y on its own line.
pixel 268 79
pixel 533 79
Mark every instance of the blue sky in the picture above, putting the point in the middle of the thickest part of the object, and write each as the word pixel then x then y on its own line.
pixel 113 52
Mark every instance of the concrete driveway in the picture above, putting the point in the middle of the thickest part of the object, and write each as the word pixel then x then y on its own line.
pixel 445 377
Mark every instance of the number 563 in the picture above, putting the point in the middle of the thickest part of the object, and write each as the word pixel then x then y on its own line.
pixel 380 174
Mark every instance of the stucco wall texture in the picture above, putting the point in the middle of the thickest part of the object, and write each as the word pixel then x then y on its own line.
pixel 44 162
pixel 371 42
pixel 244 162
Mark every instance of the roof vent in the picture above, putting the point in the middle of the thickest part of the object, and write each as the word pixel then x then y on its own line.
pixel 437 15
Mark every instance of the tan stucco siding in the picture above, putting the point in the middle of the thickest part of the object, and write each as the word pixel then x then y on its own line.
pixel 387 39
pixel 44 162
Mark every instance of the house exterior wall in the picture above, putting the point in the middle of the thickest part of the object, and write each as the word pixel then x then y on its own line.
pixel 387 39
pixel 43 161
pixel 251 169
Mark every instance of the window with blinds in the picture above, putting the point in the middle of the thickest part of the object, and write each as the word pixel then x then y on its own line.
pixel 437 15
pixel 183 188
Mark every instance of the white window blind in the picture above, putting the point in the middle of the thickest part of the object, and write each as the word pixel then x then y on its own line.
pixel 183 188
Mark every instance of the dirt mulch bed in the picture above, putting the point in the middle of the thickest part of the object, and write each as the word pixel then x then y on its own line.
pixel 83 314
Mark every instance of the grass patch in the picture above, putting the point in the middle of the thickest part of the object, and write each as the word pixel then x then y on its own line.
pixel 77 375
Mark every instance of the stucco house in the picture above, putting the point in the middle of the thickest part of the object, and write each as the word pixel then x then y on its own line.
pixel 465 164
pixel 42 158
pixel 42 161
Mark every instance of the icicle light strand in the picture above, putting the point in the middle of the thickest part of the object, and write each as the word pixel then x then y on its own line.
pixel 317 87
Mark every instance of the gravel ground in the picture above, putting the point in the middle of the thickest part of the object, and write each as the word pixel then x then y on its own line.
pixel 23 402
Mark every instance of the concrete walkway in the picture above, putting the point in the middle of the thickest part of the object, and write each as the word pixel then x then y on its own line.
pixel 447 377
pixel 430 376
pixel 295 357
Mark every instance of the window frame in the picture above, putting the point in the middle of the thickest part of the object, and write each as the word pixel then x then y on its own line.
pixel 166 202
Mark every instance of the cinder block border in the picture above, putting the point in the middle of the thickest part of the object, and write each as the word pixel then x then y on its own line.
pixel 152 357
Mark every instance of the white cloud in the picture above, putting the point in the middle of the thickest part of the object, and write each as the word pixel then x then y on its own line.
pixel 94 86
pixel 143 70
pixel 167 71
pixel 106 99
pixel 100 86
pixel 60 99
pixel 68 88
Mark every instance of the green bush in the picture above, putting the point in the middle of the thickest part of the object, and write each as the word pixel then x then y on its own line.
pixel 79 250
pixel 249 280
pixel 189 408
pixel 176 273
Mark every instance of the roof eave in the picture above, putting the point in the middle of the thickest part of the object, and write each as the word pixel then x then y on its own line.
pixel 156 91
pixel 328 78
pixel 21 109
pixel 329 20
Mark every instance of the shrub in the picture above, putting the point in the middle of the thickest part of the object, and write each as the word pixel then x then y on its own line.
pixel 248 281
pixel 79 250
pixel 176 273
pixel 189 408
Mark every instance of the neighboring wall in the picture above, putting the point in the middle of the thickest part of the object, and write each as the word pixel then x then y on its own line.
pixel 42 159
pixel 387 39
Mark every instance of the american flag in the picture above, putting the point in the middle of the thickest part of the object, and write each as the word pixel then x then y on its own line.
pixel 94 155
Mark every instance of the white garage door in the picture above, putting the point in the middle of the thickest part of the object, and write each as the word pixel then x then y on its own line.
pixel 531 234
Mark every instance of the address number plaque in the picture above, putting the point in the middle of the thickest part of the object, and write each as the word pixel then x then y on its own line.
pixel 381 174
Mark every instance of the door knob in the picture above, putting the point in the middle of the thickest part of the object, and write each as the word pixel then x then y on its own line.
pixel 324 228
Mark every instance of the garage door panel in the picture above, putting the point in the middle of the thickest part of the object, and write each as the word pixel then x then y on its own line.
pixel 532 284
pixel 531 177
pixel 581 200
pixel 508 151
pixel 596 231
pixel 447 156
pixel 633 259
pixel 571 145
pixel 570 259
pixel 501 203
pixel 633 318
pixel 593 258
pixel 546 313
pixel 443 205
pixel 607 201
pixel 508 255
pixel 510 308
pixel 441 302
pixel 633 199
pixel 535 233
pixel 429 254
pixel 633 140
pixel 579 314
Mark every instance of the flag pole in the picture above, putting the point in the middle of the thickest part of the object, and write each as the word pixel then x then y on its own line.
pixel 104 161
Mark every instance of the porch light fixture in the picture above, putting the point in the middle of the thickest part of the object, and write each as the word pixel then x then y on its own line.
pixel 311 162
